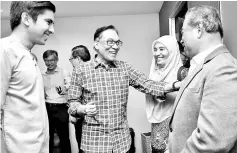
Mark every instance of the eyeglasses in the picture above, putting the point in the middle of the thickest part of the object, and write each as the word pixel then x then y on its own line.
pixel 111 42
pixel 70 59
pixel 50 61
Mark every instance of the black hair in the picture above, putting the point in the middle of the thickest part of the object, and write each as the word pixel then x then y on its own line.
pixel 83 54
pixel 47 53
pixel 33 8
pixel 102 29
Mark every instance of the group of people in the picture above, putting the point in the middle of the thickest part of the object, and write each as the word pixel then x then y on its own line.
pixel 56 85
pixel 196 115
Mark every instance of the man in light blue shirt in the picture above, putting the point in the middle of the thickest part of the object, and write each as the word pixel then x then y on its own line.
pixel 24 121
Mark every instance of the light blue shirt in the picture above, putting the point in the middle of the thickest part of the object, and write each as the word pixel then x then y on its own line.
pixel 24 119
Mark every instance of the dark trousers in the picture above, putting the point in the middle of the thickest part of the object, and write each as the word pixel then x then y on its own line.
pixel 78 132
pixel 59 119
pixel 154 150
pixel 112 151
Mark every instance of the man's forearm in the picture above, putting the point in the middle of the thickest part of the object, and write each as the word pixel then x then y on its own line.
pixel 76 109
pixel 81 110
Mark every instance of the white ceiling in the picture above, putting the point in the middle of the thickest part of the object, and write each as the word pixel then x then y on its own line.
pixel 96 8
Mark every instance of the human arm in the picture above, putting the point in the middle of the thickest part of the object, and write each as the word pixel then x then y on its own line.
pixel 142 83
pixel 72 119
pixel 6 70
pixel 77 107
pixel 217 121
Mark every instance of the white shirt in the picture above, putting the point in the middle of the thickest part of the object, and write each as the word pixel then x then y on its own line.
pixel 60 77
pixel 200 57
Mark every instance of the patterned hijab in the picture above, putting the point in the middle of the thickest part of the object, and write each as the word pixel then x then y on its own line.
pixel 167 74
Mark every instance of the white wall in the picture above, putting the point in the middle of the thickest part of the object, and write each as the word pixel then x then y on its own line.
pixel 136 31
pixel 228 9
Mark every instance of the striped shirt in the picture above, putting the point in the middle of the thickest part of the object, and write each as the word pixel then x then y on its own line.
pixel 108 87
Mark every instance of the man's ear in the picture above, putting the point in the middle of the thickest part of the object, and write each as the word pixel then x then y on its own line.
pixel 96 45
pixel 199 30
pixel 25 18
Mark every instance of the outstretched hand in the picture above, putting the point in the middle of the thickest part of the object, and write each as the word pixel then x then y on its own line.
pixel 173 86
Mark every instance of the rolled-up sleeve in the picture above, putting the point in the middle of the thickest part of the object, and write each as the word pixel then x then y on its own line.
pixel 75 92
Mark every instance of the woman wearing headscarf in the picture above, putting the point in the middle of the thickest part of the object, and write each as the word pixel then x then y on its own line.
pixel 165 64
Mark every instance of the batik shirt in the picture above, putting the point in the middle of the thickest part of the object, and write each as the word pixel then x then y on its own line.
pixel 107 85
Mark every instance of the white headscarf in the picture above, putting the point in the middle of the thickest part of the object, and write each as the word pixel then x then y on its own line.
pixel 158 110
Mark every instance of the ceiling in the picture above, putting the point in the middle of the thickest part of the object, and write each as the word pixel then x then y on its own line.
pixel 96 8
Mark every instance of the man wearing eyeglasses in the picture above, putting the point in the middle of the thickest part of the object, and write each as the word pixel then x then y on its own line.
pixel 56 84
pixel 99 91
pixel 79 54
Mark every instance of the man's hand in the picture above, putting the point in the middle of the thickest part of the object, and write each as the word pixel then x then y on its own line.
pixel 90 109
pixel 72 119
pixel 60 90
pixel 171 87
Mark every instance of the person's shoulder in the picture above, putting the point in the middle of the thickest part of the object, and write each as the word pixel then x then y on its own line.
pixel 5 43
pixel 225 58
pixel 5 39
pixel 221 61
pixel 43 72
pixel 83 66
pixel 121 63
pixel 8 48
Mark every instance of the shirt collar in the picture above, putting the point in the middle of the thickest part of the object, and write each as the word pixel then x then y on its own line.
pixel 199 58
pixel 56 70
pixel 107 66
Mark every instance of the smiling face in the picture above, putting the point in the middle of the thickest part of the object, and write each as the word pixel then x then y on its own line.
pixel 107 52
pixel 51 62
pixel 40 29
pixel 161 54
pixel 190 39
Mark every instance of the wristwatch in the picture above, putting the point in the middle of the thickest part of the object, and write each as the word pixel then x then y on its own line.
pixel 173 86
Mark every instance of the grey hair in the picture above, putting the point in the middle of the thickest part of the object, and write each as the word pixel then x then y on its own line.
pixel 206 15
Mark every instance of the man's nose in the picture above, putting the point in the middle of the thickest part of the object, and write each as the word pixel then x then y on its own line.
pixel 51 28
pixel 115 46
